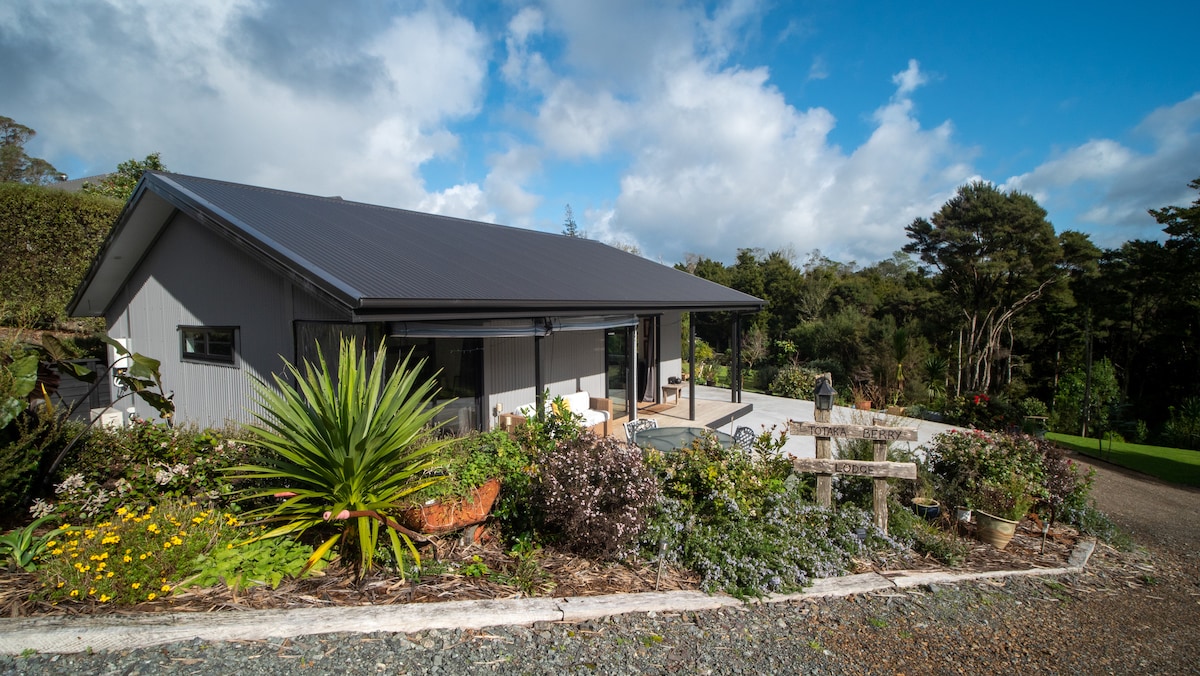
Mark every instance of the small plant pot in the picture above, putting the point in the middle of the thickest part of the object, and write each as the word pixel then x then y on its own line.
pixel 962 514
pixel 995 531
pixel 444 516
pixel 926 508
pixel 863 405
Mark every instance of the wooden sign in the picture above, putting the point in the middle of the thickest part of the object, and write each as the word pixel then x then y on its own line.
pixel 871 432
pixel 824 466
pixel 894 470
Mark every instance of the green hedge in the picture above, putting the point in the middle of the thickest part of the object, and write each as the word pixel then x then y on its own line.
pixel 48 238
pixel 1176 465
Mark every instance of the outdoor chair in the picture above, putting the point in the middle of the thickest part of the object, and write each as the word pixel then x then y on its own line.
pixel 634 426
pixel 743 438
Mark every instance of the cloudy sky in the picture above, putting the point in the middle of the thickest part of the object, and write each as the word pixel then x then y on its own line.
pixel 678 127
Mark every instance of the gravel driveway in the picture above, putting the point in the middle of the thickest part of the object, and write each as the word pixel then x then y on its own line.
pixel 1127 613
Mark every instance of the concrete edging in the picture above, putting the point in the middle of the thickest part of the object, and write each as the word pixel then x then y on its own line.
pixel 125 632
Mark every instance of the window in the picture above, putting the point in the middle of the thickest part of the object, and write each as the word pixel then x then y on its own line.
pixel 208 344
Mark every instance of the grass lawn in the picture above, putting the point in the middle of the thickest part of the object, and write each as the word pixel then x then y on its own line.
pixel 1176 465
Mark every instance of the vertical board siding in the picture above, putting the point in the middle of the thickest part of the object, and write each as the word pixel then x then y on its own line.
pixel 211 283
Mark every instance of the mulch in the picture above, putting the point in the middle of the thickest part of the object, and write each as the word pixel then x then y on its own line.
pixel 557 574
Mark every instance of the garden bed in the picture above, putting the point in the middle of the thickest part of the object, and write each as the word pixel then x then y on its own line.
pixel 492 573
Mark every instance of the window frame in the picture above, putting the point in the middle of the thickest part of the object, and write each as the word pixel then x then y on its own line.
pixel 207 356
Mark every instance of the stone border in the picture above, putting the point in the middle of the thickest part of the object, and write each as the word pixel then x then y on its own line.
pixel 124 632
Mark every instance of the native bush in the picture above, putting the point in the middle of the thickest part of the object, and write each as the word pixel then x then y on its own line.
pixel 711 480
pixel 788 543
pixel 142 464
pixel 596 493
pixel 49 238
pixel 796 382
pixel 343 449
pixel 36 434
pixel 1182 429
pixel 1066 487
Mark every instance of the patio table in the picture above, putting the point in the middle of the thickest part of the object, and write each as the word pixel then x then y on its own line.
pixel 673 438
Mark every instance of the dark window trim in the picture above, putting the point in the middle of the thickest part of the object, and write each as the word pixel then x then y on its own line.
pixel 207 356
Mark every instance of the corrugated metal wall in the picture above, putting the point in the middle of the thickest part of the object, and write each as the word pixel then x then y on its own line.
pixel 193 278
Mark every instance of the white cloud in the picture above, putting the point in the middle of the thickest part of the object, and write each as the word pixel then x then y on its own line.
pixel 1108 186
pixel 131 78
pixel 907 82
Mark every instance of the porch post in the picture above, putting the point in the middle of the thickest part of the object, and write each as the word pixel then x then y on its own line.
pixel 692 366
pixel 631 386
pixel 735 369
pixel 540 390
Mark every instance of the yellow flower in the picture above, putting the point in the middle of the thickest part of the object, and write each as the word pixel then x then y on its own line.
pixel 98 577
pixel 127 559
pixel 166 587
pixel 91 591
pixel 74 592
pixel 151 596
pixel 104 597
pixel 166 545
pixel 135 585
pixel 121 511
pixel 60 585
pixel 57 552
pixel 141 557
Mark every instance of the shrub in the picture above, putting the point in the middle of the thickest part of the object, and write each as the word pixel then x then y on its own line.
pixel 469 462
pixel 796 382
pixel 49 239
pixel 38 433
pixel 962 462
pixel 142 464
pixel 788 543
pixel 345 448
pixel 137 556
pixel 1182 429
pixel 597 493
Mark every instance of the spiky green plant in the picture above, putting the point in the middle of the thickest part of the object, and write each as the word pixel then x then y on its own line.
pixel 343 450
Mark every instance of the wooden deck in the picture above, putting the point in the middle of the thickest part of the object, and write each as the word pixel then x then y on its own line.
pixel 709 413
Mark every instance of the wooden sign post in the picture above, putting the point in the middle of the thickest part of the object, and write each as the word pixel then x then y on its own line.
pixel 879 468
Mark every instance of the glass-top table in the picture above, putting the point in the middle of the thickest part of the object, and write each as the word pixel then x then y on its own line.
pixel 672 438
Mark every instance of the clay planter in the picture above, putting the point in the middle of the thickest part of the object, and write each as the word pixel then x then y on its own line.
pixel 863 405
pixel 926 508
pixel 444 516
pixel 994 530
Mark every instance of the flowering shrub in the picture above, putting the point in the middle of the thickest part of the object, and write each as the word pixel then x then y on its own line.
pixel 982 411
pixel 787 544
pixel 712 480
pixel 796 382
pixel 136 556
pixel 140 465
pixel 596 492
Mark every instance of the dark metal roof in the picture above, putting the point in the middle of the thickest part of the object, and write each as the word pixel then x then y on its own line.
pixel 380 261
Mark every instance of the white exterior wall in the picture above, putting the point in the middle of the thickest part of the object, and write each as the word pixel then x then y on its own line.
pixel 192 277
pixel 671 344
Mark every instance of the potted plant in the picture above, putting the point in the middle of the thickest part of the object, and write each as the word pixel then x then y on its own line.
pixel 470 480
pixel 1000 507
pixel 926 508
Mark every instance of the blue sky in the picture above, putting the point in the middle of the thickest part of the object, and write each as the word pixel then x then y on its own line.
pixel 679 128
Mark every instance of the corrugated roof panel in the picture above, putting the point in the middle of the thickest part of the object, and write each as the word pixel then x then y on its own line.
pixel 382 254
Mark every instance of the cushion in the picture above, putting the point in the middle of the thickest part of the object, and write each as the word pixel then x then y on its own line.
pixel 578 402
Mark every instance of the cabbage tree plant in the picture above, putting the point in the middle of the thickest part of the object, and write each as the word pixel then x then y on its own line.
pixel 343 449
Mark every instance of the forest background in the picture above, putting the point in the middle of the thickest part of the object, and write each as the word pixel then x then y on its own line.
pixel 987 315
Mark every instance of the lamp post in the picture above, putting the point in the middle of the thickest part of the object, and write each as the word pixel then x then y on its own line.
pixel 823 395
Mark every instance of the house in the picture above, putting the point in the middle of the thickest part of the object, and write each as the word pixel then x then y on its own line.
pixel 222 281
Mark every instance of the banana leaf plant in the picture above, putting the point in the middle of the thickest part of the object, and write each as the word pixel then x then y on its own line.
pixel 343 449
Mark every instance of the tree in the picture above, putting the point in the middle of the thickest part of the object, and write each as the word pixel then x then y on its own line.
pixel 996 254
pixel 120 185
pixel 570 227
pixel 15 165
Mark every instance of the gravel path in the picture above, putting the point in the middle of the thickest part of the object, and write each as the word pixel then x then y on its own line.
pixel 1135 613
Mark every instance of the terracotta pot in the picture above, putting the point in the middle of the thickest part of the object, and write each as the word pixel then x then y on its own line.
pixel 994 530
pixel 443 516
pixel 863 405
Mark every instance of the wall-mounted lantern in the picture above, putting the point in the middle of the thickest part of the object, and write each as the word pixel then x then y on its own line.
pixel 823 395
